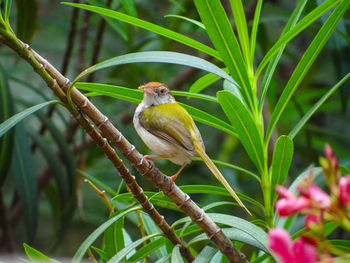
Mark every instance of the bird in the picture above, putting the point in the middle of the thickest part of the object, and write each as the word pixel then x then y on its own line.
pixel 170 132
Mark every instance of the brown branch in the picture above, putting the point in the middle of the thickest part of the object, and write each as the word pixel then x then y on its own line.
pixel 41 67
pixel 59 84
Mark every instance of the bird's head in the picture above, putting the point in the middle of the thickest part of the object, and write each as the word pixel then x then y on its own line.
pixel 155 93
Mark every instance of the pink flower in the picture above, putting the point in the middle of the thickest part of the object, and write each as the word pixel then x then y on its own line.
pixel 301 251
pixel 319 198
pixel 344 189
pixel 330 155
pixel 311 219
pixel 289 204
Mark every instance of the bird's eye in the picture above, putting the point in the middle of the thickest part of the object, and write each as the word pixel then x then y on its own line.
pixel 162 91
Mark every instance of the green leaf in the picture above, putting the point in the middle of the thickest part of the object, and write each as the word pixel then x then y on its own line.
pixel 306 62
pixel 245 127
pixel 234 234
pixel 255 30
pixel 159 199
pixel 125 251
pixel 7 141
pixel 27 13
pixel 289 35
pixel 94 235
pixel 221 34
pixel 282 158
pixel 241 26
pixel 25 180
pixel 149 26
pixel 35 255
pixel 195 22
pixel 341 244
pixel 114 237
pixel 205 255
pixel 7 9
pixel 265 83
pixel 203 82
pixel 315 107
pixel 159 57
pixel 176 255
pixel 148 249
pixel 233 89
pixel 9 123
pixel 150 228
pixel 252 234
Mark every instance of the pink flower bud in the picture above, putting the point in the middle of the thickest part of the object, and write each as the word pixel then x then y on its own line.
pixel 316 195
pixel 331 156
pixel 321 198
pixel 301 251
pixel 281 244
pixel 344 190
pixel 311 219
pixel 289 204
pixel 304 251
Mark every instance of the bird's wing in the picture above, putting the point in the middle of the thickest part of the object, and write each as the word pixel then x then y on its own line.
pixel 170 122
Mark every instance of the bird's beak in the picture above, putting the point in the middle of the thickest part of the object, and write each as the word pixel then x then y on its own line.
pixel 147 90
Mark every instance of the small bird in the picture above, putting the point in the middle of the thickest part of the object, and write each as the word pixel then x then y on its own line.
pixel 170 132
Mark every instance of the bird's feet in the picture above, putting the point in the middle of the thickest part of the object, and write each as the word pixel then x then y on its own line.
pixel 148 158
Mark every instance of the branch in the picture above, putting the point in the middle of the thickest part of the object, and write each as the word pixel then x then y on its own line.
pixel 59 84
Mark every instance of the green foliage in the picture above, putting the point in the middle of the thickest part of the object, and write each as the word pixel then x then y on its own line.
pixel 251 58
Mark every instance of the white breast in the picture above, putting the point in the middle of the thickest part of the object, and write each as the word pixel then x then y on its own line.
pixel 158 145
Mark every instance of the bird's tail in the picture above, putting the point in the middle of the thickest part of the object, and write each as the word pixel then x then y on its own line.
pixel 219 176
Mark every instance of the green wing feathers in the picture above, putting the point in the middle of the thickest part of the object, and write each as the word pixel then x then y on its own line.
pixel 170 122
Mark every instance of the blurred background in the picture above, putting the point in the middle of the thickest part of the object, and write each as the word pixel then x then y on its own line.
pixel 54 147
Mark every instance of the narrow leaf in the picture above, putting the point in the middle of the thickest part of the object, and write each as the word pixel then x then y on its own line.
pixel 195 22
pixel 256 236
pixel 305 63
pixel 7 8
pixel 35 255
pixel 282 158
pixel 265 83
pixel 25 180
pixel 245 127
pixel 159 57
pixel 300 26
pixel 221 34
pixel 203 82
pixel 255 30
pixel 94 235
pixel 242 28
pixel 151 27
pixel 315 107
pixel 125 251
pixel 9 123
pixel 205 255
pixel 176 255
pixel 7 141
